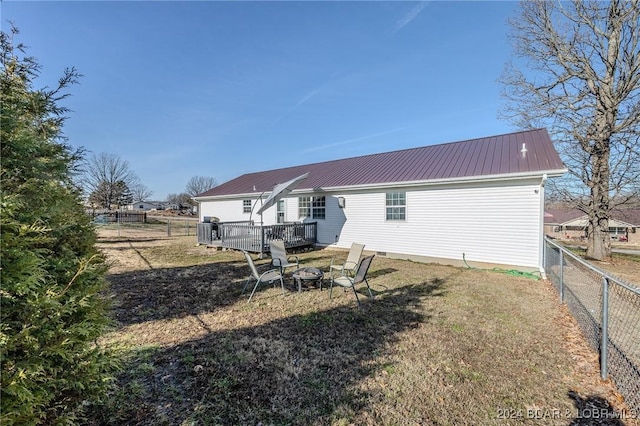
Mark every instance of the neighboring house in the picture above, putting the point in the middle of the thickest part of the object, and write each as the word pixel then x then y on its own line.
pixel 141 206
pixel 168 206
pixel 481 198
pixel 624 224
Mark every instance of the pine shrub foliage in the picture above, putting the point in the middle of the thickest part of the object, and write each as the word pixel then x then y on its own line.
pixel 52 304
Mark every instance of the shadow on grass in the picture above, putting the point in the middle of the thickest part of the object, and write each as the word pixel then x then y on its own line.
pixel 176 292
pixel 120 240
pixel 380 272
pixel 166 293
pixel 300 369
pixel 594 410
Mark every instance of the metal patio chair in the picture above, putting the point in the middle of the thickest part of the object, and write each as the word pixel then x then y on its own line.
pixel 360 276
pixel 350 265
pixel 269 276
pixel 279 257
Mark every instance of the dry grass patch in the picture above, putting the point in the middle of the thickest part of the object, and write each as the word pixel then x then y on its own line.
pixel 625 266
pixel 439 345
pixel 621 265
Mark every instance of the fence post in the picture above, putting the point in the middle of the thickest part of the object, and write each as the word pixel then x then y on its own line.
pixel 605 329
pixel 561 276
pixel 169 228
pixel 186 225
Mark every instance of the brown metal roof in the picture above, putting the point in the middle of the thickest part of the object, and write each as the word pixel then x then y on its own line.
pixel 562 216
pixel 494 155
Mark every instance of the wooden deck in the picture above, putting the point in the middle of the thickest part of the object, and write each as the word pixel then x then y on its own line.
pixel 255 238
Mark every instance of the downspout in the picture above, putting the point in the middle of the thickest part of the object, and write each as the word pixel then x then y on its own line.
pixel 541 244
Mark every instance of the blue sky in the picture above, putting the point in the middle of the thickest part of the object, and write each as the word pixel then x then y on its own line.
pixel 182 89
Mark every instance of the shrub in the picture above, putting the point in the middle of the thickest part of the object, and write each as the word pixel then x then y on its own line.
pixel 53 310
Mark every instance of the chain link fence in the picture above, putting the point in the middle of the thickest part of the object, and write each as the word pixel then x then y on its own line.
pixel 151 228
pixel 607 310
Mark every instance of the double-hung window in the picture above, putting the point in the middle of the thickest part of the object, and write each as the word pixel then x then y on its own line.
pixel 304 206
pixel 246 206
pixel 318 210
pixel 312 207
pixel 280 212
pixel 396 206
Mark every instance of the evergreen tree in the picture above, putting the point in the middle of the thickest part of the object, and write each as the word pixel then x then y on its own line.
pixel 123 194
pixel 52 274
pixel 101 197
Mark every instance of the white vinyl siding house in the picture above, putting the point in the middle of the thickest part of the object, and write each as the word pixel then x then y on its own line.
pixel 489 222
pixel 141 206
pixel 492 216
pixel 498 223
pixel 230 210
pixel 396 206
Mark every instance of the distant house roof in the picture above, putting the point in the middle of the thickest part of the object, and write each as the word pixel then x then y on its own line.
pixel 483 157
pixel 621 216
pixel 561 216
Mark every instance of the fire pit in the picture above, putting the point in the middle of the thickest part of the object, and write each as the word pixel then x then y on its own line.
pixel 308 275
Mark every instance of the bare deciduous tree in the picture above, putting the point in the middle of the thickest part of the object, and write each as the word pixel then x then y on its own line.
pixel 182 199
pixel 140 192
pixel 583 84
pixel 103 177
pixel 199 184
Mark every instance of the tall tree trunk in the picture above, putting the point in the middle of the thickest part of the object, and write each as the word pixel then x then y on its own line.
pixel 599 242
pixel 599 247
pixel 606 109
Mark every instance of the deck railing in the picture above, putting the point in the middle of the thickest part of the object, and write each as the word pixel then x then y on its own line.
pixel 208 232
pixel 256 239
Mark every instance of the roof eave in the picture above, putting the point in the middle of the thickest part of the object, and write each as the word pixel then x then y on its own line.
pixel 457 180
pixel 230 196
pixel 431 182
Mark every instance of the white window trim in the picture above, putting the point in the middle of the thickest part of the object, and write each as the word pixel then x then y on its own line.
pixel 386 217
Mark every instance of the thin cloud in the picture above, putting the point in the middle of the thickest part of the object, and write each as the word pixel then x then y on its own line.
pixel 362 138
pixel 409 17
pixel 307 97
pixel 300 102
